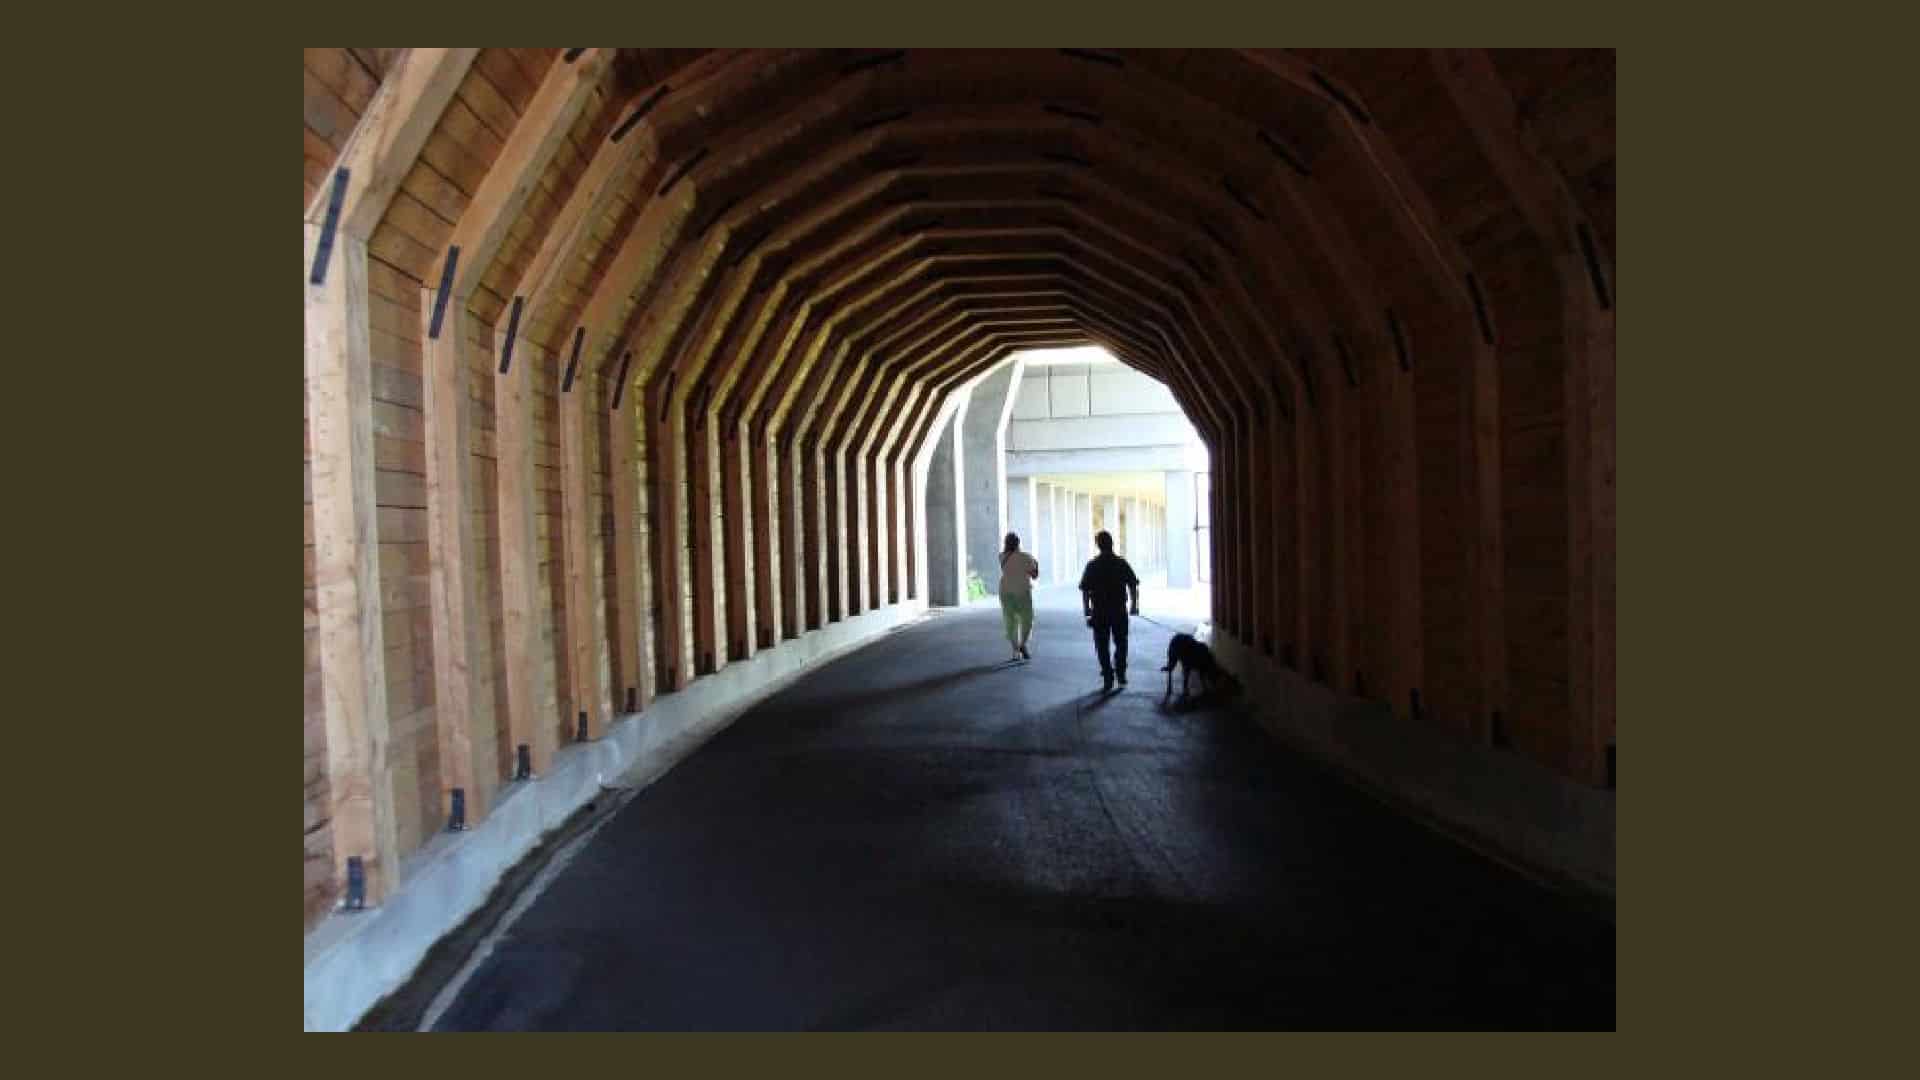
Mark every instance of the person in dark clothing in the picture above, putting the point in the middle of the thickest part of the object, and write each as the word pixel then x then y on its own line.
pixel 1105 587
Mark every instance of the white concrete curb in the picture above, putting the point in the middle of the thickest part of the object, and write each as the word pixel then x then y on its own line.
pixel 1500 803
pixel 352 961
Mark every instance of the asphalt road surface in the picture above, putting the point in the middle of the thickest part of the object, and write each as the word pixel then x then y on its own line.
pixel 923 836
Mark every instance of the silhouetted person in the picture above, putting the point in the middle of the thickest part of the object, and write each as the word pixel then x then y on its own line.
pixel 1104 588
pixel 1017 571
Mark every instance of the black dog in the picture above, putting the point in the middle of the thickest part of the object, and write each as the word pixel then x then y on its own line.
pixel 1188 654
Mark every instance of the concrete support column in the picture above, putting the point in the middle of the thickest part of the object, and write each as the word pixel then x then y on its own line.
pixel 946 516
pixel 1043 529
pixel 1110 519
pixel 1139 535
pixel 1179 531
pixel 983 442
pixel 1082 531
pixel 1022 514
pixel 1150 533
pixel 1143 533
pixel 1160 537
pixel 1062 528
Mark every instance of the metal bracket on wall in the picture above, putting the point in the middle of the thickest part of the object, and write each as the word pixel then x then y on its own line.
pixel 356 898
pixel 513 331
pixel 324 249
pixel 446 290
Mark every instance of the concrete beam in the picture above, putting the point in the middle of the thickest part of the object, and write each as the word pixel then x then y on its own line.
pixel 1094 432
pixel 1109 460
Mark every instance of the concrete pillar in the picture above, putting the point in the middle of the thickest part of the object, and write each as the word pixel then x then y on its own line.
pixel 1062 528
pixel 1082 531
pixel 983 442
pixel 946 516
pixel 1179 530
pixel 1143 532
pixel 1043 500
pixel 1043 528
pixel 1130 522
pixel 1156 535
pixel 1022 513
pixel 1110 519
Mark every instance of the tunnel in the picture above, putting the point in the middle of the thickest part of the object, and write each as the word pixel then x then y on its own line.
pixel 632 377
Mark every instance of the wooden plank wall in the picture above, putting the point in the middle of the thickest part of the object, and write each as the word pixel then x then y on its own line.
pixel 338 83
pixel 406 250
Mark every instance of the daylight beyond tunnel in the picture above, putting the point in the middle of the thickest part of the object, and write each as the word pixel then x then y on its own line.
pixel 1052 447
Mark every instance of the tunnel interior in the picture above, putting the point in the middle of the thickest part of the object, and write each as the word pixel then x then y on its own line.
pixel 627 366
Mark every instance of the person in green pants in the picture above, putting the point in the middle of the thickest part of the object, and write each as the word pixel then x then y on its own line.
pixel 1017 573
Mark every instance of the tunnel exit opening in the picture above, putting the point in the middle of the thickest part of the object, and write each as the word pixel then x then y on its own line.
pixel 1056 446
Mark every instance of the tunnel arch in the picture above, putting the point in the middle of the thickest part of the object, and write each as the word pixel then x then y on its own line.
pixel 666 333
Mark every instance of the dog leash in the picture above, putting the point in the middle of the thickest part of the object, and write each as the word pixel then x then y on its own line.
pixel 1164 626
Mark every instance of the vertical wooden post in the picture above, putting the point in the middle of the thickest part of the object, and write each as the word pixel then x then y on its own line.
pixel 635 650
pixel 339 370
pixel 742 591
pixel 705 555
pixel 1302 516
pixel 530 675
pixel 767 497
pixel 585 640
pixel 463 718
pixel 1406 650
pixel 668 529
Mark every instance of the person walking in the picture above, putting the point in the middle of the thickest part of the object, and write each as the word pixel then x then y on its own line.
pixel 1017 573
pixel 1105 587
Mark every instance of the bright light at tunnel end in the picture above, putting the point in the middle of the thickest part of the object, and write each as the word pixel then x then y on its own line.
pixel 1084 354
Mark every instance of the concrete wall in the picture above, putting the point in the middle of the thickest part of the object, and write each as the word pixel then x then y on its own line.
pixel 1099 408
pixel 1063 390
pixel 1098 432
pixel 1514 809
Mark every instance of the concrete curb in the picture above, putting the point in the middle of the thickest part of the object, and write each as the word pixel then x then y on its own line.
pixel 352 961
pixel 1504 805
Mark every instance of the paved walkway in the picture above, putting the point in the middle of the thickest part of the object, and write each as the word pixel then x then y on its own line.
pixel 923 836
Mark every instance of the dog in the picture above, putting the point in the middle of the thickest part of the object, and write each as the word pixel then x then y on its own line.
pixel 1191 656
